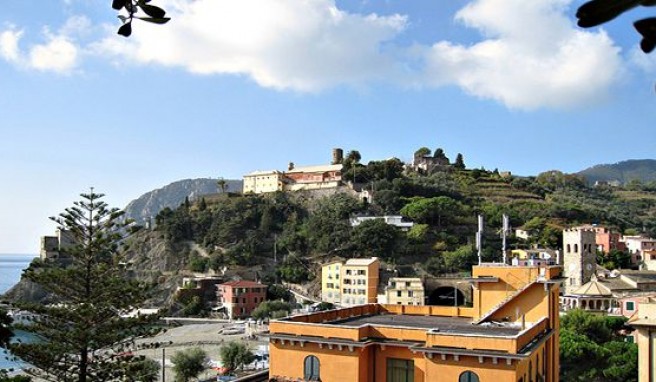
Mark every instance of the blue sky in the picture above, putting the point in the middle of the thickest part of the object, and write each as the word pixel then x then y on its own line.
pixel 228 87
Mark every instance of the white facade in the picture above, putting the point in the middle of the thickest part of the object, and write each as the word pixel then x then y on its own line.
pixel 263 181
pixel 403 291
pixel 395 220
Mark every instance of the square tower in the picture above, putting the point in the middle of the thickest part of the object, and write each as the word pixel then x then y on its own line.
pixel 579 257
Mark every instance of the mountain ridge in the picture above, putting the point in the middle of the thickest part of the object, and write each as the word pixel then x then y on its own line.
pixel 643 170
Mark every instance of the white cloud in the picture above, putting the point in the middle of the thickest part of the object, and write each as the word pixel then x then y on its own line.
pixel 646 62
pixel 285 44
pixel 59 53
pixel 530 55
pixel 533 56
pixel 9 45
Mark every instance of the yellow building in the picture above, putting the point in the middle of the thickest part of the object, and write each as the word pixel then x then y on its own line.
pixel 645 323
pixel 403 291
pixel 331 290
pixel 509 335
pixel 259 182
pixel 351 283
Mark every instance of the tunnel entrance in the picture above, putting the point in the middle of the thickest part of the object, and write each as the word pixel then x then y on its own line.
pixel 447 296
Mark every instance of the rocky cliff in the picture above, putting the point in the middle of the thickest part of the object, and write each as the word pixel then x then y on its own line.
pixel 148 205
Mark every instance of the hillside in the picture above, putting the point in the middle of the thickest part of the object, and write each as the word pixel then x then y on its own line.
pixel 623 172
pixel 287 235
pixel 148 205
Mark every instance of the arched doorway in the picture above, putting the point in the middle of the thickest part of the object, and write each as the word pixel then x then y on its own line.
pixel 446 296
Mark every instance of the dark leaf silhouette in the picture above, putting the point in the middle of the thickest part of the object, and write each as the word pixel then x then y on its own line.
pixel 154 20
pixel 125 29
pixel 647 28
pixel 153 11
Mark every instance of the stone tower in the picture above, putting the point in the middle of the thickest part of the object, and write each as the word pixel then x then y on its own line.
pixel 579 257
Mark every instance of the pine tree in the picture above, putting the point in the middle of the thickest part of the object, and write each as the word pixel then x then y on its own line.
pixel 460 162
pixel 82 334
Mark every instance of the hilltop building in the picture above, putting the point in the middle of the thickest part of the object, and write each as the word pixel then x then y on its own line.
pixel 240 298
pixel 350 283
pixel 579 257
pixel 52 246
pixel 510 334
pixel 296 178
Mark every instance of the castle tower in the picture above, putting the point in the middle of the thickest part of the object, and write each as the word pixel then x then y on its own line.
pixel 579 257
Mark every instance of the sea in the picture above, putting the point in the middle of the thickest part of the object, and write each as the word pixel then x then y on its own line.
pixel 11 267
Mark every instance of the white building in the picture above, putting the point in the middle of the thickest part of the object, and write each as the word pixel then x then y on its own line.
pixel 395 220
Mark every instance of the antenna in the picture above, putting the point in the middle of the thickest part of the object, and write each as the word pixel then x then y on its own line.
pixel 504 232
pixel 479 239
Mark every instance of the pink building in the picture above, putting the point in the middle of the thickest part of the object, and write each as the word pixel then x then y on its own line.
pixel 240 298
pixel 605 239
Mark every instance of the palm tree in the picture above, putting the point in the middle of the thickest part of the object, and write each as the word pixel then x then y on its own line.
pixel 223 184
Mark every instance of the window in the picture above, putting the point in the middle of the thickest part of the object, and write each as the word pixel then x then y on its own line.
pixel 407 284
pixel 410 293
pixel 468 376
pixel 311 368
pixel 576 248
pixel 398 293
pixel 400 370
pixel 630 305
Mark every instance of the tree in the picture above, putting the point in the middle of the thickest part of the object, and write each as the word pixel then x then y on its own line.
pixel 271 309
pixel 234 355
pixel 154 14
pixel 431 210
pixel 422 152
pixel 439 154
pixel 188 364
pixel 5 331
pixel 375 238
pixel 597 12
pixel 353 156
pixel 591 349
pixel 460 162
pixel 84 331
pixel 223 185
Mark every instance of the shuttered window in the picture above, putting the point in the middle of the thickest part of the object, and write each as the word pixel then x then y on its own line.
pixel 311 368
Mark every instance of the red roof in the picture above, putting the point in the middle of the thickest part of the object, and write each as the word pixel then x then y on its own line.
pixel 244 284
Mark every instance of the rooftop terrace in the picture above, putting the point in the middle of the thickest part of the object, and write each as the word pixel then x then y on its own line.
pixel 437 324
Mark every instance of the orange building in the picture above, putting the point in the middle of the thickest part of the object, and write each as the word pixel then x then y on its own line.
pixel 510 334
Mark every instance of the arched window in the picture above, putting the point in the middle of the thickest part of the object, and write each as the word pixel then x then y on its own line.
pixel 576 248
pixel 468 376
pixel 311 368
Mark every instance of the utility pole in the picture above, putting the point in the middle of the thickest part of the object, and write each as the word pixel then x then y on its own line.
pixel 163 364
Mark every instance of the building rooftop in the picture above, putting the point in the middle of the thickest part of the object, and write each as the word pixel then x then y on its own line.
pixel 243 284
pixel 368 261
pixel 318 168
pixel 438 324
pixel 259 172
pixel 593 288
pixel 640 276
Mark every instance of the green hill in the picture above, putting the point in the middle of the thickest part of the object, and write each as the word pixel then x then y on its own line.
pixel 643 170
